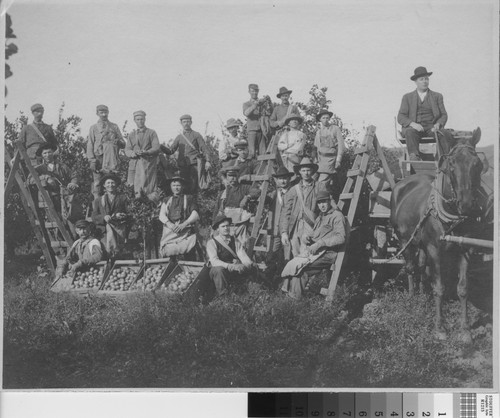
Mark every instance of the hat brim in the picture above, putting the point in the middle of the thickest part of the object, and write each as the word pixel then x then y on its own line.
pixel 39 151
pixel 414 77
pixel 283 92
pixel 216 224
pixel 289 174
pixel 299 166
pixel 234 125
pixel 318 116
pixel 117 179
pixel 298 118
pixel 177 178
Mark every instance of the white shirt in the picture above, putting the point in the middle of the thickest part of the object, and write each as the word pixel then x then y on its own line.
pixel 422 95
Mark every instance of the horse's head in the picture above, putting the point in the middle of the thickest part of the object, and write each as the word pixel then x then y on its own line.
pixel 463 167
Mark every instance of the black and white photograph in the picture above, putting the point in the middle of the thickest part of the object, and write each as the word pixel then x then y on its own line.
pixel 237 195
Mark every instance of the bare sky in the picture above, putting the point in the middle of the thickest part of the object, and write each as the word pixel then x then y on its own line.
pixel 169 59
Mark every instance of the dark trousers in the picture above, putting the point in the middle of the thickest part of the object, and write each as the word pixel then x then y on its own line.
pixel 190 174
pixel 256 143
pixel 444 142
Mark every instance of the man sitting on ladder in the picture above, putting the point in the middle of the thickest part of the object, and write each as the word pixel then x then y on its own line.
pixel 421 114
pixel 328 236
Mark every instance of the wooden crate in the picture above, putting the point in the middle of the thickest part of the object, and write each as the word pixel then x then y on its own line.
pixel 196 287
pixel 132 266
pixel 69 283
pixel 166 266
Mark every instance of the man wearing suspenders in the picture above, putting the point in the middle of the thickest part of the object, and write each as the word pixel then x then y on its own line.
pixel 36 134
pixel 192 148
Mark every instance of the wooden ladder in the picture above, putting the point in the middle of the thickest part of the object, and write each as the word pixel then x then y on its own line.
pixel 349 198
pixel 260 227
pixel 50 230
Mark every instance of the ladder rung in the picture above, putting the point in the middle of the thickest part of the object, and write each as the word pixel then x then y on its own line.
pixel 51 225
pixel 265 157
pixel 260 248
pixel 58 244
pixel 360 150
pixel 353 173
pixel 380 215
pixel 345 196
pixel 396 261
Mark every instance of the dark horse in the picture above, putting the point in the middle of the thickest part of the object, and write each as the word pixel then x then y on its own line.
pixel 426 207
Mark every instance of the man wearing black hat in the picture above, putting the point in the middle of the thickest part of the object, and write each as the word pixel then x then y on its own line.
pixel 283 110
pixel 103 145
pixel 110 214
pixel 55 175
pixel 33 135
pixel 227 259
pixel 328 236
pixel 253 112
pixel 86 250
pixel 422 113
pixel 193 157
pixel 299 208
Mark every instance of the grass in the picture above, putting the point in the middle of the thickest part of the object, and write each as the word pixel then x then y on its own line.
pixel 256 339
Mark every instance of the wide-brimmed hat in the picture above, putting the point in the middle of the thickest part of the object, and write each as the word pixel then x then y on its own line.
pixel 294 116
pixel 323 195
pixel 282 172
pixel 283 90
pixel 323 112
pixel 44 147
pixel 219 219
pixel 420 72
pixel 114 177
pixel 305 162
pixel 231 123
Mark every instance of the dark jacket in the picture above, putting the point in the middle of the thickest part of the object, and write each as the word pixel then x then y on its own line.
pixel 408 109
pixel 119 205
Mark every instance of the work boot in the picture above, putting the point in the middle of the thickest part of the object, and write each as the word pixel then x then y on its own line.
pixel 415 157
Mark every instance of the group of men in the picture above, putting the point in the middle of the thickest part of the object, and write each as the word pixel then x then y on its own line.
pixel 308 229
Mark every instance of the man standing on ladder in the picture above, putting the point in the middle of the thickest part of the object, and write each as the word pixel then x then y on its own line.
pixel 298 214
pixel 253 112
pixel 283 110
pixel 103 144
pixel 422 113
pixel 36 134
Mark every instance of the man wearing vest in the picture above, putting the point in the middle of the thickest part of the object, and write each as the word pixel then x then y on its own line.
pixel 33 135
pixel 298 214
pixel 142 148
pixel 253 111
pixel 192 153
pixel 283 110
pixel 103 145
pixel 323 243
pixel 227 262
pixel 422 113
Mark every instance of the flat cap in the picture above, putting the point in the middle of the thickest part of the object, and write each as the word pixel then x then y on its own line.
pixel 82 223
pixel 140 113
pixel 241 144
pixel 102 107
pixel 186 116
pixel 253 86
pixel 36 106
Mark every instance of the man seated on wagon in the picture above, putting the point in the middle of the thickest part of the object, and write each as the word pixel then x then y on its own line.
pixel 110 215
pixel 322 244
pixel 178 214
pixel 228 261
pixel 55 176
pixel 86 251
pixel 421 114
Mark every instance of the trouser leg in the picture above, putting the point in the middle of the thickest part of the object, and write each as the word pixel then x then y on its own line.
pixel 253 139
pixel 96 178
pixel 262 143
pixel 412 141
pixel 220 277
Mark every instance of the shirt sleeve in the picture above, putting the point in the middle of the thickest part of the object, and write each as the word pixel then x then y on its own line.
pixel 95 253
pixel 213 257
pixel 404 112
pixel 155 144
pixel 340 142
pixel 274 119
pixel 90 146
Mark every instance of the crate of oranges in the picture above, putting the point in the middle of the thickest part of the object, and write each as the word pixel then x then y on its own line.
pixel 86 280
pixel 187 278
pixel 120 277
pixel 152 274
